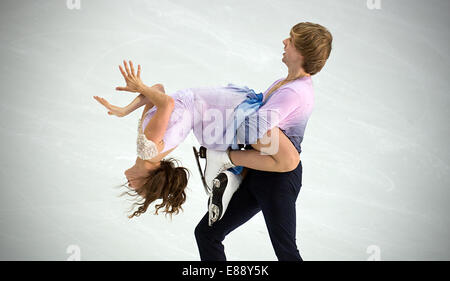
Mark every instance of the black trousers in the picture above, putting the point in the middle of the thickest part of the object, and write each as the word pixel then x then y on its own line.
pixel 270 192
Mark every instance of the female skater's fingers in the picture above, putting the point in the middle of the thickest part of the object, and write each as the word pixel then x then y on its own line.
pixel 122 88
pixel 139 71
pixel 106 103
pixel 123 72
pixel 132 68
pixel 103 102
pixel 126 67
pixel 98 99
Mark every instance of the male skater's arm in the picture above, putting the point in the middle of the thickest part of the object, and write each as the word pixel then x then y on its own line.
pixel 281 155
pixel 273 149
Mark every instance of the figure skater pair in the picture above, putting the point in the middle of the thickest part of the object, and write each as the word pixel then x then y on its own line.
pixel 265 176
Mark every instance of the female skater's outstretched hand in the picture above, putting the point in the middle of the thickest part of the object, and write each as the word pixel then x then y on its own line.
pixel 112 109
pixel 134 82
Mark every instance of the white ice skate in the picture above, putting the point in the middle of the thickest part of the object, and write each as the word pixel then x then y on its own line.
pixel 219 183
pixel 224 186
pixel 216 162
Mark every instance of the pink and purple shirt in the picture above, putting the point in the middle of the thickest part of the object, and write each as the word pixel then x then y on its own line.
pixel 289 108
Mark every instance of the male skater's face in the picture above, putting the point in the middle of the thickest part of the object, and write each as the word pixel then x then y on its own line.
pixel 291 56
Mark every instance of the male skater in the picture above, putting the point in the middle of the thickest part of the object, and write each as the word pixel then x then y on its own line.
pixel 273 193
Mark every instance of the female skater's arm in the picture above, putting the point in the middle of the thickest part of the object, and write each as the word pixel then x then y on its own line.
pixel 274 152
pixel 156 127
pixel 135 84
pixel 135 104
pixel 151 96
pixel 142 100
pixel 123 111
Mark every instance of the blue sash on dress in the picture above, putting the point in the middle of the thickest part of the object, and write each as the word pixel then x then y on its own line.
pixel 250 105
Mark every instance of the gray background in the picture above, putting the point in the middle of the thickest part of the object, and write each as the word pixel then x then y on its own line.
pixel 375 158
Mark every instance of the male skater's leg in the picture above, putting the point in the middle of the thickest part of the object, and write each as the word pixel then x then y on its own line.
pixel 241 208
pixel 276 194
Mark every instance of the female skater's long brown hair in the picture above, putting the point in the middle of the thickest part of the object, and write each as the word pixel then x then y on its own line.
pixel 167 182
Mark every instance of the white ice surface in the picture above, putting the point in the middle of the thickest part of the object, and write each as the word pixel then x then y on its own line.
pixel 375 154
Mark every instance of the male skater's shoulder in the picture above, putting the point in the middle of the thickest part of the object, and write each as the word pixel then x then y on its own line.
pixel 288 108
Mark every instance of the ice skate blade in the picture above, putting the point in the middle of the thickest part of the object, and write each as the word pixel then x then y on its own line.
pixel 225 185
pixel 215 204
pixel 216 183
pixel 213 214
pixel 198 155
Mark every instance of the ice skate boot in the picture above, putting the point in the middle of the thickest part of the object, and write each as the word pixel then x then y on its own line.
pixel 216 162
pixel 223 188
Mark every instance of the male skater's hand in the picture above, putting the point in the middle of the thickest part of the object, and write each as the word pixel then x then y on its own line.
pixel 134 82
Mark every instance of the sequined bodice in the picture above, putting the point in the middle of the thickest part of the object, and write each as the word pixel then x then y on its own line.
pixel 146 149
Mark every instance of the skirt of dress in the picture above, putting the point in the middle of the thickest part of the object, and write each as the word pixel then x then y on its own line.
pixel 218 112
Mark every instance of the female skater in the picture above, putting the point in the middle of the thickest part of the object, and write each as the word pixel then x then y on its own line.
pixel 167 120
